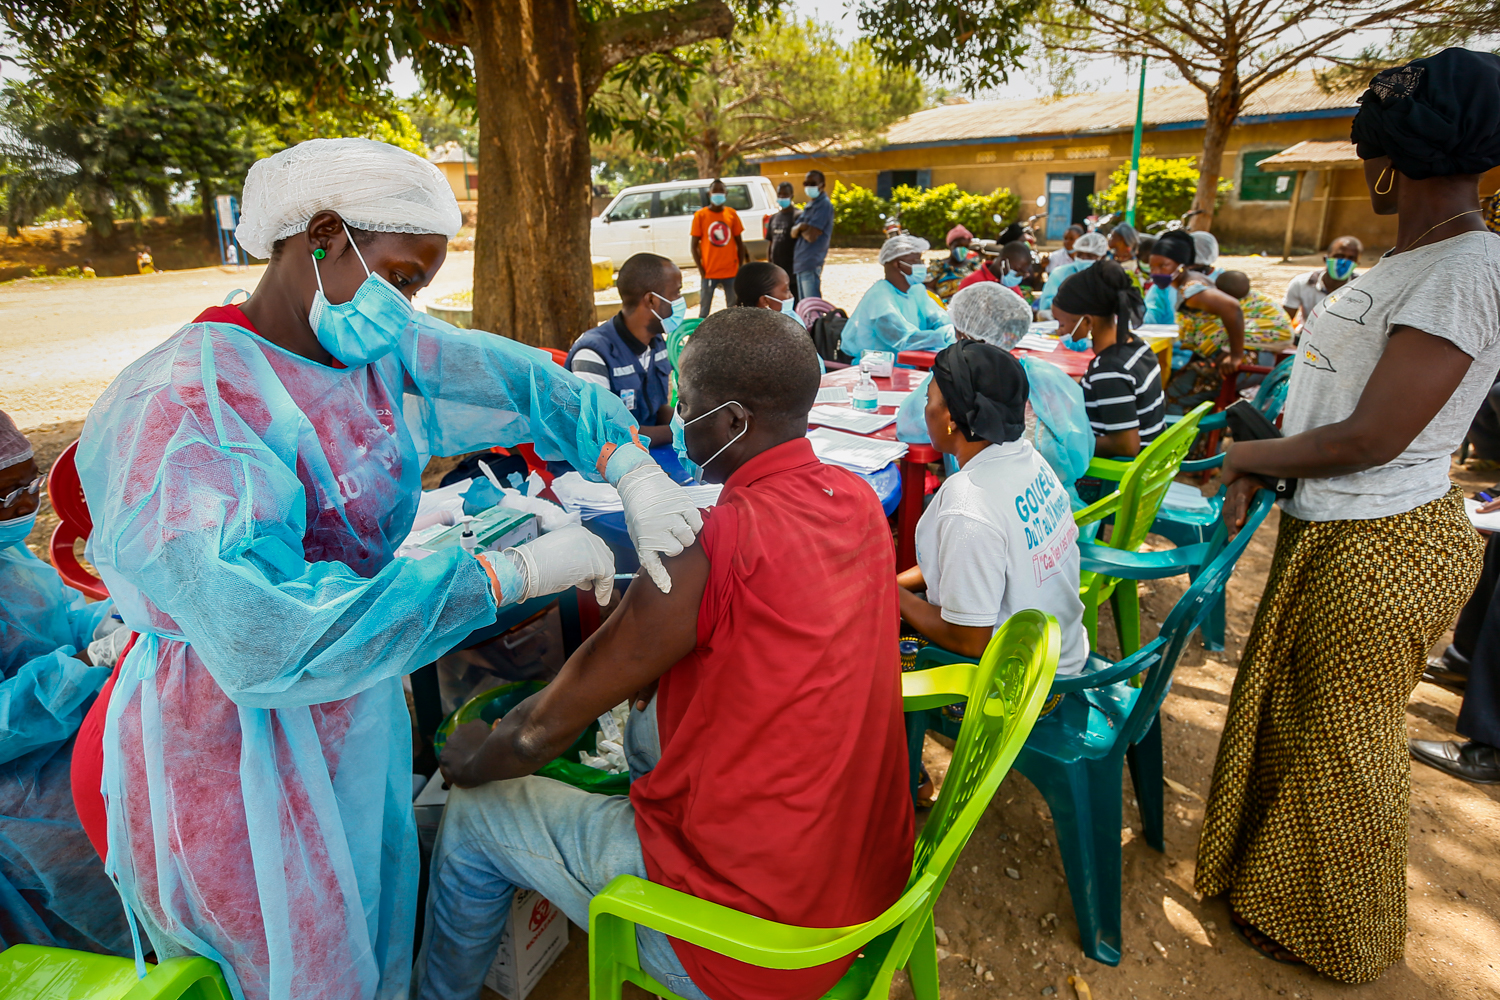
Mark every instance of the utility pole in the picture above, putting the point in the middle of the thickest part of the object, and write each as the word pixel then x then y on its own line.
pixel 1135 148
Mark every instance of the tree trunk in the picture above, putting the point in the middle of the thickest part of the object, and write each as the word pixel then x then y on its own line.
pixel 531 247
pixel 707 154
pixel 1223 109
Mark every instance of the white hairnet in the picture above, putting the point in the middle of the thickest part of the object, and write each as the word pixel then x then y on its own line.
pixel 14 448
pixel 900 245
pixel 990 312
pixel 1095 243
pixel 1205 247
pixel 372 185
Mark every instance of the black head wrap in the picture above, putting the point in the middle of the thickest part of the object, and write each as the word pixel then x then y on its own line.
pixel 1014 231
pixel 1104 290
pixel 985 389
pixel 1433 117
pixel 1176 244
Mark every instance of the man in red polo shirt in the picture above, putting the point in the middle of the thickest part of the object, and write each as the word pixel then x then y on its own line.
pixel 766 742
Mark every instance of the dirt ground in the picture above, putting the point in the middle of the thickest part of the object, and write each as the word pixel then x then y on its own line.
pixel 1020 932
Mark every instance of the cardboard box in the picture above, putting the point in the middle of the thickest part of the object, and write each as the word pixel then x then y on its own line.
pixel 536 935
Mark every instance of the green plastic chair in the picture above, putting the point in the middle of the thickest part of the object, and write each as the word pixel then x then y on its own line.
pixel 1005 690
pixel 31 972
pixel 1143 486
pixel 675 343
pixel 1077 754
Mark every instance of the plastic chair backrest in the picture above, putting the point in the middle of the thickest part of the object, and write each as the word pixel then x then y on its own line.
pixel 1009 686
pixel 679 337
pixel 66 494
pixel 1185 618
pixel 1271 396
pixel 1144 484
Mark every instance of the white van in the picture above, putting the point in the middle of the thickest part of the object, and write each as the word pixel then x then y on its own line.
pixel 658 218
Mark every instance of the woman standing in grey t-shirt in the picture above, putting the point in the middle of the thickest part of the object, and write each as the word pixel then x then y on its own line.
pixel 1306 824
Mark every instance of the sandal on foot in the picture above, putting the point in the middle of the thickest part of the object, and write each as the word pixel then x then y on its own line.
pixel 1263 942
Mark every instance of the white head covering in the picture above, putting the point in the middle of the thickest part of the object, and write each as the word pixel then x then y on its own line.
pixel 1095 243
pixel 14 448
pixel 900 245
pixel 990 312
pixel 372 185
pixel 1205 247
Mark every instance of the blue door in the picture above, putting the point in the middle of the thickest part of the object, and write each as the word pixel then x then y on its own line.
pixel 1059 205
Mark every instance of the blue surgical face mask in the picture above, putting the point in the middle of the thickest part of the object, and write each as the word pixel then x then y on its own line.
pixel 672 320
pixel 789 307
pixel 918 275
pixel 812 190
pixel 368 326
pixel 784 202
pixel 1012 279
pixel 679 440
pixel 14 531
pixel 960 253
pixel 1339 268
pixel 718 197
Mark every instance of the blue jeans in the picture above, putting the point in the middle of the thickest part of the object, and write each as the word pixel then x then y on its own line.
pixel 706 294
pixel 810 284
pixel 540 834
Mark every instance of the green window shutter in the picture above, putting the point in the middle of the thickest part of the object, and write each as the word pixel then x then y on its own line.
pixel 1264 185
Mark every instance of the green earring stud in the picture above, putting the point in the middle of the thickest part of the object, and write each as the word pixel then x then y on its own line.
pixel 318 254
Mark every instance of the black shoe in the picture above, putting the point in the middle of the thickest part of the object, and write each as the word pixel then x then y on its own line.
pixel 1474 762
pixel 1451 670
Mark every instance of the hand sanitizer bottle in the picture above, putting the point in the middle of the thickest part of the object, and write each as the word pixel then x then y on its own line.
pixel 865 395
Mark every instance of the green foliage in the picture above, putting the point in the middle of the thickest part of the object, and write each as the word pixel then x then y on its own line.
pixel 977 43
pixel 926 213
pixel 73 271
pixel 440 120
pixel 1164 190
pixel 857 211
pixel 785 85
pixel 976 212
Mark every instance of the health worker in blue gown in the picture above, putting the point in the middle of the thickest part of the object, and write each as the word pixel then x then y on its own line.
pixel 53 891
pixel 897 314
pixel 250 480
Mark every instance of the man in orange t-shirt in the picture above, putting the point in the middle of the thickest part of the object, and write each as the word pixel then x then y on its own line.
pixel 718 250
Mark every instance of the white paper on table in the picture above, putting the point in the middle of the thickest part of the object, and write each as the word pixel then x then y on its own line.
pixel 1037 342
pixel 846 419
pixel 1484 522
pixel 832 394
pixel 1157 331
pixel 860 454
pixel 1045 326
pixel 893 397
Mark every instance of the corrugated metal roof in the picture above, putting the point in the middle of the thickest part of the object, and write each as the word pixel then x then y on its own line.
pixel 450 152
pixel 1313 154
pixel 1293 95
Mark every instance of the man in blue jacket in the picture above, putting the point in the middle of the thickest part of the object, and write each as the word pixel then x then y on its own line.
pixel 628 354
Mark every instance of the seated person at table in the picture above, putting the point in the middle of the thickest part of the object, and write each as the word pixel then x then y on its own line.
pixel 783 611
pixel 628 354
pixel 1058 258
pixel 54 891
pixel 897 314
pixel 998 537
pixel 763 285
pixel 1122 384
pixel 958 265
pixel 1087 249
pixel 1009 269
pixel 1306 290
pixel 1210 323
pixel 1266 324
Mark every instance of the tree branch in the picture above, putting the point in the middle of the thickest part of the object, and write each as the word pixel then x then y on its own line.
pixel 614 40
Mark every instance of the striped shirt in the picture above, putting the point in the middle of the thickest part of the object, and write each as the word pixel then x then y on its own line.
pixel 1122 389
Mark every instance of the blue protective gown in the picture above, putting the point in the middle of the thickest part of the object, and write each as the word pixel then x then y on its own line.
pixel 1057 277
pixel 1162 303
pixel 247 505
pixel 890 320
pixel 54 891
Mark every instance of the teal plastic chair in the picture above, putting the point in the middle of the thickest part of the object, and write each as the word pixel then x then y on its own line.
pixel 1192 527
pixel 31 972
pixel 1005 692
pixel 1077 752
pixel 1133 506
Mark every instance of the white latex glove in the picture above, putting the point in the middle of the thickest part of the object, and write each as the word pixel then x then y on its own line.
pixel 549 515
pixel 571 556
pixel 662 519
pixel 105 651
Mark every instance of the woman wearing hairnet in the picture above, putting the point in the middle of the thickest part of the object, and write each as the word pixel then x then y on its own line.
pixel 54 891
pixel 250 479
pixel 1056 423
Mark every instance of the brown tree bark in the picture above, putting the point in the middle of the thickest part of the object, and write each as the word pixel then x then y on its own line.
pixel 536 65
pixel 1223 108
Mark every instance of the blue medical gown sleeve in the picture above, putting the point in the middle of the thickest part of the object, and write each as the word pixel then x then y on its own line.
pixel 1161 305
pixel 1063 435
pixel 477 390
pixel 190 461
pixel 890 320
pixel 911 420
pixel 43 702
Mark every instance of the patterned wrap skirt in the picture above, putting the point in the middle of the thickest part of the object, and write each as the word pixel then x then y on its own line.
pixel 1306 824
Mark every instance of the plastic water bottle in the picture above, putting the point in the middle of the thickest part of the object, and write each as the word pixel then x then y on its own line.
pixel 865 395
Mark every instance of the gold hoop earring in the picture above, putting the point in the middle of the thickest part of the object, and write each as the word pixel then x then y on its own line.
pixel 1381 178
pixel 951 428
